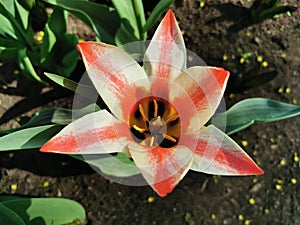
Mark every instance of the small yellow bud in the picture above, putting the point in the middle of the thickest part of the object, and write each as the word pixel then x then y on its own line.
pixel 16 72
pixel 278 187
pixel 202 4
pixel 279 181
pixel 264 64
pixel 266 211
pixel 240 217
pixel 283 55
pixel 225 57
pixel 150 199
pixel 231 96
pixel 244 143
pixel 254 180
pixel 282 162
pixel 296 157
pixel 14 187
pixel 272 140
pixel 287 90
pixel 280 90
pixel 11 155
pixel 293 181
pixel 259 58
pixel 81 40
pixel 294 101
pixel 213 216
pixel 247 222
pixel 46 184
pixel 251 201
pixel 242 60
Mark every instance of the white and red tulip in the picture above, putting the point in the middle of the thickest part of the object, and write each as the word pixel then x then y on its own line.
pixel 158 113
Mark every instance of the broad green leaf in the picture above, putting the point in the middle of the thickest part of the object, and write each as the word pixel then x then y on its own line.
pixel 259 79
pixel 81 89
pixel 9 48
pixel 63 56
pixel 27 4
pixel 22 14
pixel 270 13
pixel 156 13
pixel 126 11
pixel 54 116
pixel 58 21
pixel 47 211
pixel 33 137
pixel 9 217
pixel 254 110
pixel 93 14
pixel 6 28
pixel 18 30
pixel 27 67
pixel 48 43
pixel 117 166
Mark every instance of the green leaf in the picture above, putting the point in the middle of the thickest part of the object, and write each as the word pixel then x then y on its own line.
pixel 47 211
pixel 93 14
pixel 58 21
pixel 9 49
pixel 63 56
pixel 117 166
pixel 81 89
pixel 15 29
pixel 156 13
pixel 33 137
pixel 270 13
pixel 126 11
pixel 254 110
pixel 27 4
pixel 47 44
pixel 27 67
pixel 9 217
pixel 22 15
pixel 54 116
pixel 259 79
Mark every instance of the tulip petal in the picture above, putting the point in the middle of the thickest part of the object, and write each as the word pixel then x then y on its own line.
pixel 95 133
pixel 205 87
pixel 162 168
pixel 216 153
pixel 113 72
pixel 165 56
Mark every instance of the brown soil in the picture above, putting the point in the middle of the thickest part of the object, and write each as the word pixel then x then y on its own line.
pixel 210 32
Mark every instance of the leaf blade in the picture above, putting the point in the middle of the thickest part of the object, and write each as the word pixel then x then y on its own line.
pixel 254 110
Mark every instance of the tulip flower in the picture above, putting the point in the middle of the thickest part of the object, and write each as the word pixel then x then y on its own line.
pixel 158 112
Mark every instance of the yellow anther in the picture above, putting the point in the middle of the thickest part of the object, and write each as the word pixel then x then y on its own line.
pixel 151 141
pixel 141 130
pixel 143 112
pixel 155 108
pixel 170 138
pixel 172 118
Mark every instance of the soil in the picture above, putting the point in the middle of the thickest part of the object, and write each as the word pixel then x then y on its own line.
pixel 212 32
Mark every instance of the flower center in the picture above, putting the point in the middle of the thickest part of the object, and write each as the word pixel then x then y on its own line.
pixel 154 121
